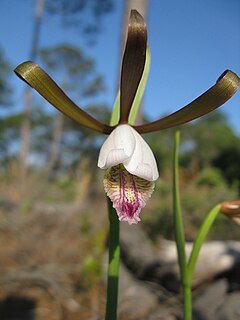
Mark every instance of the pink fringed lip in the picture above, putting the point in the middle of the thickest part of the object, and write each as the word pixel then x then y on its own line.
pixel 128 193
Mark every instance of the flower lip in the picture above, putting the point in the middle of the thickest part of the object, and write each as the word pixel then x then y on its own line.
pixel 124 145
pixel 128 193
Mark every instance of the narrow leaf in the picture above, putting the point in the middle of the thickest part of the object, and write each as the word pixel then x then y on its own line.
pixel 177 213
pixel 201 236
pixel 37 78
pixel 227 84
pixel 133 63
pixel 179 233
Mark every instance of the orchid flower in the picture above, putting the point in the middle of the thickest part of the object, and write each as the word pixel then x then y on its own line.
pixel 231 209
pixel 130 163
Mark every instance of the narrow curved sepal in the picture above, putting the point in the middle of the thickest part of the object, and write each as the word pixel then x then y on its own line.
pixel 128 193
pixel 133 63
pixel 38 79
pixel 138 96
pixel 227 84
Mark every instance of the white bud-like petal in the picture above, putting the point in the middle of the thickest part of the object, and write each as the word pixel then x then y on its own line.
pixel 125 146
pixel 118 147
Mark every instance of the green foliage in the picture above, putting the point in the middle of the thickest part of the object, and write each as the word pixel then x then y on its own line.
pixel 26 206
pixel 73 70
pixel 9 137
pixel 5 88
pixel 161 144
pixel 196 199
pixel 228 161
pixel 85 224
pixel 66 184
pixel 206 143
pixel 78 78
pixel 208 137
pixel 91 271
pixel 73 14
pixel 158 219
pixel 91 268
pixel 211 177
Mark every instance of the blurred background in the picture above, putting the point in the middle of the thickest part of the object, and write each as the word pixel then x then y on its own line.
pixel 53 221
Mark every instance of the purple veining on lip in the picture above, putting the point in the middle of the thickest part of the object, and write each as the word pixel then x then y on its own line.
pixel 128 193
pixel 129 199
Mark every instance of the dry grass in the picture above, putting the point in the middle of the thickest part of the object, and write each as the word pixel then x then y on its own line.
pixel 45 248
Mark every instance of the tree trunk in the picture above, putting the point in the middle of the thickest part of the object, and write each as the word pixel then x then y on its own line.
pixel 55 147
pixel 25 127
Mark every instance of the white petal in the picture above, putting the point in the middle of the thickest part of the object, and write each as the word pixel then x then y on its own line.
pixel 125 145
pixel 117 148
pixel 142 163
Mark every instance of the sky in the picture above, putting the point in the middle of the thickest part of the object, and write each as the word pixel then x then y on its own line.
pixel 191 41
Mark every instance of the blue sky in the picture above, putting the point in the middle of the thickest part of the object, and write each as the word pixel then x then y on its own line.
pixel 192 42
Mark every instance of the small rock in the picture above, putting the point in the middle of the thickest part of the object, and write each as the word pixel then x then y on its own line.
pixel 206 305
pixel 135 298
pixel 230 309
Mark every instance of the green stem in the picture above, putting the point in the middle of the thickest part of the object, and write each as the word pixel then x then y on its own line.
pixel 187 296
pixel 179 235
pixel 114 247
pixel 113 264
pixel 205 227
